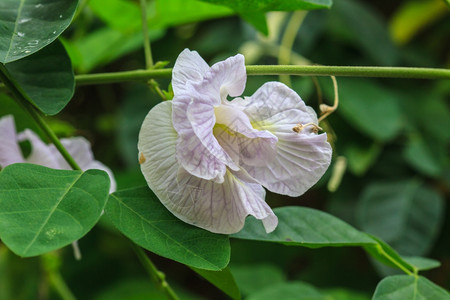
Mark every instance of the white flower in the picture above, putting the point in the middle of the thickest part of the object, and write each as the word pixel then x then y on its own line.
pixel 208 158
pixel 46 155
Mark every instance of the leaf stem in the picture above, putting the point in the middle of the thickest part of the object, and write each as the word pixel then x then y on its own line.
pixel 386 72
pixel 32 111
pixel 147 47
pixel 393 260
pixel 51 263
pixel 158 276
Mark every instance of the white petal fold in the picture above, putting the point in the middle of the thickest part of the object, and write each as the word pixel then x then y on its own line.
pixel 225 78
pixel 302 158
pixel 80 149
pixel 217 207
pixel 10 152
pixel 198 151
pixel 41 153
pixel 189 67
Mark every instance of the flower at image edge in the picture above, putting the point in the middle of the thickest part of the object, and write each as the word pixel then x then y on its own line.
pixel 46 155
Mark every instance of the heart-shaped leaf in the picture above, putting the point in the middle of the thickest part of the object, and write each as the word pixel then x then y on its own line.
pixel 26 26
pixel 140 216
pixel 44 209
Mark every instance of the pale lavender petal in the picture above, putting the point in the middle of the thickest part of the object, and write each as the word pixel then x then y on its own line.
pixel 220 208
pixel 256 147
pixel 202 118
pixel 80 150
pixel 189 68
pixel 272 99
pixel 198 151
pixel 226 77
pixel 157 148
pixel 302 158
pixel 41 153
pixel 10 152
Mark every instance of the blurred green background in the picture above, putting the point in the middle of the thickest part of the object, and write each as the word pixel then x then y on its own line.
pixel 391 138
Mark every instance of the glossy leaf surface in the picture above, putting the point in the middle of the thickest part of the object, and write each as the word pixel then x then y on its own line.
pixel 44 209
pixel 140 216
pixel 26 26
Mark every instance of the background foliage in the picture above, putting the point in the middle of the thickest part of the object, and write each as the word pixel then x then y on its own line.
pixel 390 137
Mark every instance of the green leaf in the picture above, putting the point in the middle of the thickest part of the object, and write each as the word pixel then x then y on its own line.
pixel 43 209
pixel 252 278
pixel 388 256
pixel 361 157
pixel 46 78
pixel 370 108
pixel 422 263
pixel 140 216
pixel 420 155
pixel 414 16
pixel 223 280
pixel 271 5
pixel 405 214
pixel 288 291
pixel 26 26
pixel 344 294
pixel 126 16
pixel 409 287
pixel 103 46
pixel 307 227
pixel 367 30
pixel 253 11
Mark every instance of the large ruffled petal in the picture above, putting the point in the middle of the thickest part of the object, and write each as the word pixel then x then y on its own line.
pixel 10 152
pixel 189 68
pixel 220 208
pixel 302 158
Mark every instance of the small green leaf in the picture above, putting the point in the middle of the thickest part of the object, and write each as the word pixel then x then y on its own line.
pixel 414 16
pixel 140 216
pixel 46 78
pixel 405 214
pixel 388 256
pixel 427 158
pixel 422 263
pixel 43 209
pixel 409 287
pixel 288 291
pixel 307 227
pixel 26 26
pixel 223 280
